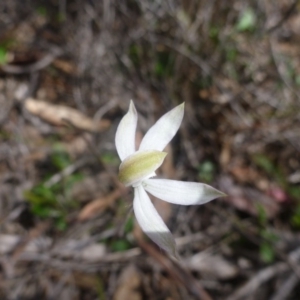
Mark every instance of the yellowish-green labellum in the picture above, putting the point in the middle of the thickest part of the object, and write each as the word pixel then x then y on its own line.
pixel 140 165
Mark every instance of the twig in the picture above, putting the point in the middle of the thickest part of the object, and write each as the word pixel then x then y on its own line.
pixel 18 249
pixel 206 68
pixel 257 240
pixel 279 69
pixel 286 288
pixel 264 275
pixel 180 274
pixel 37 66
pixel 50 260
pixel 287 14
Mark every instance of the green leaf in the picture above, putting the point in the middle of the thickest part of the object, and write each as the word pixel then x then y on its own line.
pixel 269 236
pixel 120 245
pixel 294 191
pixel 262 215
pixel 42 11
pixel 44 200
pixel 61 224
pixel 206 171
pixel 231 54
pixel 214 32
pixel 110 158
pixel 163 66
pixel 134 54
pixel 297 80
pixel 267 253
pixel 271 169
pixel 295 220
pixel 247 20
pixel 265 163
pixel 60 159
pixel 3 55
pixel 129 225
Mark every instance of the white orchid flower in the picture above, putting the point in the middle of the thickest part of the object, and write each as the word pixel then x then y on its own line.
pixel 138 168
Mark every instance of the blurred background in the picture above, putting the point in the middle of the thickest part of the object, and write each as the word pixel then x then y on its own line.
pixel 68 69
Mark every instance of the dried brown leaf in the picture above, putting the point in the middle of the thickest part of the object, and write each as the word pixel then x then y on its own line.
pixel 225 155
pixel 98 205
pixel 129 282
pixel 84 280
pixel 65 66
pixel 212 266
pixel 246 174
pixel 63 115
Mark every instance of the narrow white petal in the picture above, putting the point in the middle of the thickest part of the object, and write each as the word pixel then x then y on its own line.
pixel 180 192
pixel 125 135
pixel 161 133
pixel 151 222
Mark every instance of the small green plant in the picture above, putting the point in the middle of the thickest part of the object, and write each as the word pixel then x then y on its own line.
pixel 214 33
pixel 266 164
pixel 60 159
pixel 266 252
pixel 135 54
pixel 5 46
pixel 42 11
pixel 110 158
pixel 266 248
pixel 129 225
pixel 292 75
pixel 54 201
pixel 61 17
pixel 231 54
pixel 295 219
pixel 206 171
pixel 3 55
pixel 100 289
pixel 278 175
pixel 164 64
pixel 120 245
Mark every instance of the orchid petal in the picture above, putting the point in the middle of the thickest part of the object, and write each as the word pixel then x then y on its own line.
pixel 179 192
pixel 125 135
pixel 151 222
pixel 161 133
